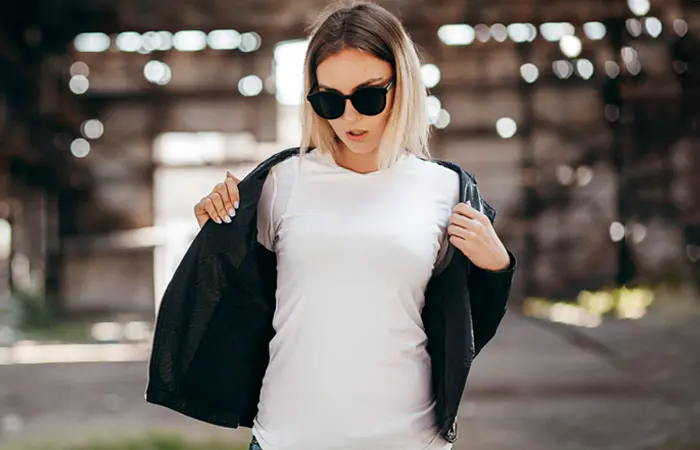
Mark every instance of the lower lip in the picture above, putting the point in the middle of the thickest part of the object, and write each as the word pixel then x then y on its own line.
pixel 358 137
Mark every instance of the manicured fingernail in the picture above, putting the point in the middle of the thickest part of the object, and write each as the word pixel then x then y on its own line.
pixel 469 203
pixel 217 220
pixel 231 212
pixel 227 219
pixel 236 204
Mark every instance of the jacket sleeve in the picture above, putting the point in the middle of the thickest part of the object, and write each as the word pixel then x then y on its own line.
pixel 185 310
pixel 489 292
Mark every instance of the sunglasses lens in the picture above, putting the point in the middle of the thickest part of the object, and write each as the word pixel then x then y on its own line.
pixel 369 101
pixel 327 104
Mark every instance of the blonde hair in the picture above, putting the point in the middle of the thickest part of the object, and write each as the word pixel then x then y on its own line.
pixel 369 27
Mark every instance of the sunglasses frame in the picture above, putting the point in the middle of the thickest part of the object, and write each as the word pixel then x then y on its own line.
pixel 345 98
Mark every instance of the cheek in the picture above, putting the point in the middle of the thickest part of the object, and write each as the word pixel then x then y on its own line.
pixel 382 119
pixel 337 126
pixel 379 122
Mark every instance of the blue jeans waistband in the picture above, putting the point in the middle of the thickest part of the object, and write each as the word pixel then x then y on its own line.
pixel 254 445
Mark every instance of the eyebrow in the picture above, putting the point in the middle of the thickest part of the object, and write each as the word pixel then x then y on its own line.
pixel 361 85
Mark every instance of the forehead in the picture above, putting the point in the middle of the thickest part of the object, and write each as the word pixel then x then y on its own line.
pixel 349 68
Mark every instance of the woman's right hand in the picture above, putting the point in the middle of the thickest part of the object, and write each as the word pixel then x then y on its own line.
pixel 221 204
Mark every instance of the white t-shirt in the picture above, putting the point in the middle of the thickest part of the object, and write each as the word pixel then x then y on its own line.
pixel 348 366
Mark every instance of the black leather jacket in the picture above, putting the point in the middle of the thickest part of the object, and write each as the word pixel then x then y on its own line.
pixel 210 347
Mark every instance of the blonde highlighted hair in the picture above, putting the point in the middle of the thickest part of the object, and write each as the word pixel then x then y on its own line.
pixel 370 28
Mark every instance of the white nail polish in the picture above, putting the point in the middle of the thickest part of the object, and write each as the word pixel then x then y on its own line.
pixel 236 204
pixel 227 219
pixel 231 212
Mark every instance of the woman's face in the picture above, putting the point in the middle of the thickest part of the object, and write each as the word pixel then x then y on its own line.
pixel 345 72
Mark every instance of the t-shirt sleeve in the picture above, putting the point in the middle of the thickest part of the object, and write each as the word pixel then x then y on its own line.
pixel 267 228
pixel 274 200
pixel 444 253
pixel 449 199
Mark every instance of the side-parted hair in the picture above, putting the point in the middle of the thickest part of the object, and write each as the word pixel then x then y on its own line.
pixel 370 28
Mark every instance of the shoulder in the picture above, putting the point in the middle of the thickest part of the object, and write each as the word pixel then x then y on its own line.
pixel 286 166
pixel 276 159
pixel 468 184
pixel 444 176
pixel 271 163
pixel 289 160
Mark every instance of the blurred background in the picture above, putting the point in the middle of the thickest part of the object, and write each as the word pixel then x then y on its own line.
pixel 580 119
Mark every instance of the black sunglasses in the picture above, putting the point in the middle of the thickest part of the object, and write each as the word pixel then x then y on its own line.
pixel 368 101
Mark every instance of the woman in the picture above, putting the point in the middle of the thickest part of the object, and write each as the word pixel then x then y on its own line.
pixel 341 294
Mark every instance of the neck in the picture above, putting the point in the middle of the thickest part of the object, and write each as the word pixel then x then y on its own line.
pixel 360 163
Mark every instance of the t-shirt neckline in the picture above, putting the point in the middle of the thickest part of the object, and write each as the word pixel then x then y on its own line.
pixel 328 159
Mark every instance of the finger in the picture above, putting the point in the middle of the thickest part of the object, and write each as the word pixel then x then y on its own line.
pixel 223 191
pixel 462 233
pixel 458 241
pixel 221 210
pixel 200 211
pixel 465 209
pixel 465 245
pixel 233 194
pixel 230 176
pixel 209 207
pixel 465 222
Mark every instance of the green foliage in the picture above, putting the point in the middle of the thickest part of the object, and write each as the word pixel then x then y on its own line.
pixel 37 319
pixel 590 307
pixel 153 441
pixel 33 311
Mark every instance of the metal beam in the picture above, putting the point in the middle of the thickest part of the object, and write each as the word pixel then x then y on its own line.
pixel 97 98
pixel 61 21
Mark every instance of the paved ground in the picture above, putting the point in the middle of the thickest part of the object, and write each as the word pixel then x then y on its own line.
pixel 538 386
pixel 614 387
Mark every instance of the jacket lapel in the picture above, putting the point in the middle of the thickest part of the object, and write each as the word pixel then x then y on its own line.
pixel 242 235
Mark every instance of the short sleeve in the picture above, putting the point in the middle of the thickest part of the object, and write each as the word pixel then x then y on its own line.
pixel 267 229
pixel 444 254
pixel 450 188
pixel 274 200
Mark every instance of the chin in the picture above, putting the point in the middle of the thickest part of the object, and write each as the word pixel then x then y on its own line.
pixel 360 148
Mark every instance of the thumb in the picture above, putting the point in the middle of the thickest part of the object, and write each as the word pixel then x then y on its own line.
pixel 230 175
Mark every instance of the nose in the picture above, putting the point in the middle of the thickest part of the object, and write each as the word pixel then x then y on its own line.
pixel 350 114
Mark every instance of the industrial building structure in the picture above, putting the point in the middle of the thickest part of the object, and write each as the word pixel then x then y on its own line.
pixel 580 120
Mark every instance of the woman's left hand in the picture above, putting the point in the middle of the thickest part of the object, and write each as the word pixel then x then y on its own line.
pixel 472 233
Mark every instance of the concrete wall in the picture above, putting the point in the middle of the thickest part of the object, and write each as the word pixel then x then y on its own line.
pixel 104 283
pixel 110 267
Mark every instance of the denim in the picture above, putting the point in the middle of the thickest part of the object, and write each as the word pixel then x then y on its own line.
pixel 254 445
